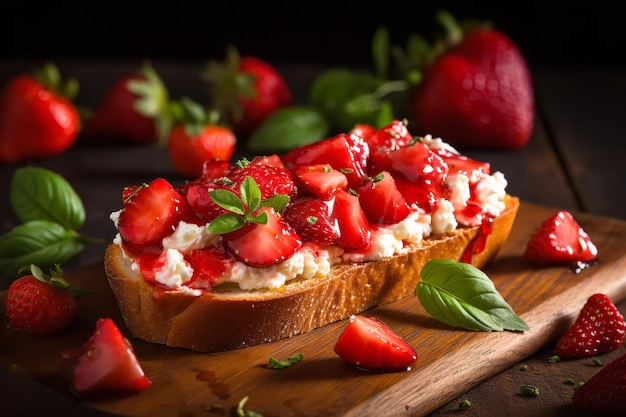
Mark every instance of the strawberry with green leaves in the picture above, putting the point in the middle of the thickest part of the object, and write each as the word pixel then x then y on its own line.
pixel 475 91
pixel 37 116
pixel 247 89
pixel 599 328
pixel 560 240
pixel 107 363
pixel 41 303
pixel 133 109
pixel 605 392
pixel 252 229
pixel 196 137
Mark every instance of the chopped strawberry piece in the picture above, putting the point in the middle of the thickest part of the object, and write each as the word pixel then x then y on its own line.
pixel 310 218
pixel 345 153
pixel 390 137
pixel 321 180
pixel 271 160
pixel 215 168
pixel 209 265
pixel 108 363
pixel 150 214
pixel 355 232
pixel 599 328
pixel 196 194
pixel 369 343
pixel 461 164
pixel 560 240
pixel 263 244
pixel 271 180
pixel 605 392
pixel 382 201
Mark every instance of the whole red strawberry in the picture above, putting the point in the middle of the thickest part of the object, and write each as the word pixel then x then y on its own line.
pixel 478 93
pixel 41 304
pixel 605 392
pixel 560 240
pixel 599 328
pixel 247 89
pixel 196 137
pixel 134 109
pixel 37 117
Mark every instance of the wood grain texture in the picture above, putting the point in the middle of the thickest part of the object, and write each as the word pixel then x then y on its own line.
pixel 450 361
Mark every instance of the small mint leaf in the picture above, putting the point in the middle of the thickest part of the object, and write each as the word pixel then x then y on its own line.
pixel 227 200
pixel 250 193
pixel 278 202
pixel 260 218
pixel 225 223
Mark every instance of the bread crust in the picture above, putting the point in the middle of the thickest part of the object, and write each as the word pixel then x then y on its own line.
pixel 223 320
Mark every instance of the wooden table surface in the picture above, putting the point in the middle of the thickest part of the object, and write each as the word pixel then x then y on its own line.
pixel 574 161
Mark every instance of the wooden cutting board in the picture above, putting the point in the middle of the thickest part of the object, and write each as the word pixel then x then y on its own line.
pixel 450 361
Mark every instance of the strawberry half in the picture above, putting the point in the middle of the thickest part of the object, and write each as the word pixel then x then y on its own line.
pixel 310 218
pixel 599 328
pixel 321 180
pixel 605 392
pixel 266 244
pixel 369 343
pixel 108 363
pixel 382 201
pixel 151 213
pixel 560 239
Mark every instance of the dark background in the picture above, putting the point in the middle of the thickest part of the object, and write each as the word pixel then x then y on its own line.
pixel 338 33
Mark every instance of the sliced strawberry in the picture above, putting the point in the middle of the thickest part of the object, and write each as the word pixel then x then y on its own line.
pixel 272 160
pixel 310 218
pixel 150 214
pixel 599 328
pixel 425 195
pixel 209 265
pixel 345 153
pixel 382 201
pixel 363 130
pixel 263 244
pixel 215 168
pixel 369 343
pixel 196 194
pixel 321 180
pixel 605 392
pixel 560 240
pixel 355 232
pixel 390 137
pixel 271 180
pixel 108 363
pixel 416 162
pixel 461 164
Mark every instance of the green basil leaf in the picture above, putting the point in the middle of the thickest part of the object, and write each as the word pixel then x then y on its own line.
pixel 344 97
pixel 288 128
pixel 39 194
pixel 41 242
pixel 381 52
pixel 285 363
pixel 460 295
